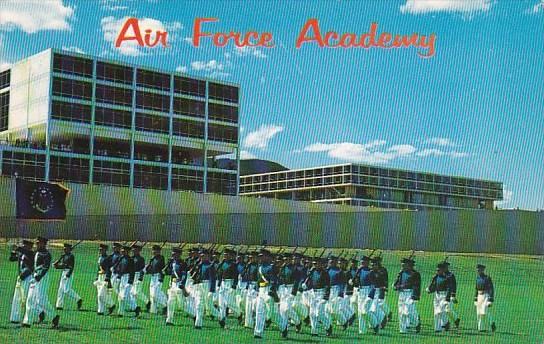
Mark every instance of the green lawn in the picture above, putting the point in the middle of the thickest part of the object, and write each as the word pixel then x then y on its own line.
pixel 518 309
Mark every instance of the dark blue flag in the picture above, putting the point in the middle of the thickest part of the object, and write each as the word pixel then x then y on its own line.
pixel 40 200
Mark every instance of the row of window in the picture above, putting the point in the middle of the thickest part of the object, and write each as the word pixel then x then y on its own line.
pixel 4 111
pixel 5 78
pixel 144 78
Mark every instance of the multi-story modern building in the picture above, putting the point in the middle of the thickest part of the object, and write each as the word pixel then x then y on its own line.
pixel 372 186
pixel 75 118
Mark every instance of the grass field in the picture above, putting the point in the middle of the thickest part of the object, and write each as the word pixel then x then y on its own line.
pixel 518 308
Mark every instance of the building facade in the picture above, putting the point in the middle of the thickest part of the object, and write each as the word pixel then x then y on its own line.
pixel 372 186
pixel 74 118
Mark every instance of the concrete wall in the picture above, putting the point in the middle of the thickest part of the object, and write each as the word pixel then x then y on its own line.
pixel 110 213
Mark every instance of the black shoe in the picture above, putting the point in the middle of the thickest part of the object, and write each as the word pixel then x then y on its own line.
pixel 345 326
pixel 376 329
pixel 164 310
pixel 111 309
pixel 240 319
pixel 79 304
pixel 284 333
pixel 268 322
pixel 390 316
pixel 298 328
pixel 198 327
pixel 169 324
pixel 55 321
pixel 456 322
pixel 307 320
pixel 329 331
pixel 314 334
pixel 257 337
pixel 14 322
pixel 383 323
pixel 25 325
pixel 41 317
pixel 148 306
pixel 493 327
pixel 99 313
pixel 137 311
pixel 447 326
pixel 222 323
pixel 59 308
pixel 227 312
pixel 418 327
pixel 351 320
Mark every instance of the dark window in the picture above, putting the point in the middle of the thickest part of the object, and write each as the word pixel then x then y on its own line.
pixel 75 145
pixel 118 149
pixel 183 156
pixel 150 177
pixel 223 133
pixel 27 165
pixel 72 65
pixel 223 92
pixel 5 78
pixel 113 118
pixel 188 128
pixel 189 107
pixel 223 113
pixel 113 95
pixel 114 73
pixel 71 112
pixel 153 123
pixel 4 111
pixel 222 183
pixel 187 180
pixel 152 101
pixel 72 88
pixel 147 152
pixel 189 86
pixel 111 173
pixel 69 169
pixel 154 80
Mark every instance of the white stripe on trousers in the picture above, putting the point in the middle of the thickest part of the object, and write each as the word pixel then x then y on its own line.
pixel 38 301
pixel 104 295
pixel 65 289
pixel 19 299
pixel 156 295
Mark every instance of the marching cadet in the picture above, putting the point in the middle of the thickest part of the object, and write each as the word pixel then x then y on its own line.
pixel 440 286
pixel 204 277
pixel 352 291
pixel 318 285
pixel 37 300
pixel 338 282
pixel 241 287
pixel 286 290
pixel 250 277
pixel 267 295
pixel 483 299
pixel 125 271
pixel 299 276
pixel 364 281
pixel 66 263
pixel 408 284
pixel 450 309
pixel 381 280
pixel 115 278
pixel 103 282
pixel 155 267
pixel 227 277
pixel 177 269
pixel 24 256
pixel 139 272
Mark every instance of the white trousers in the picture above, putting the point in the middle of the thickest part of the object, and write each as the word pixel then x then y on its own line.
pixel 338 306
pixel 66 289
pixel 408 315
pixel 227 299
pixel 203 301
pixel 104 297
pixel 440 306
pixel 156 295
pixel 366 310
pixel 137 291
pixel 126 299
pixel 483 311
pixel 38 301
pixel 176 301
pixel 319 312
pixel 286 307
pixel 19 299
pixel 264 306
pixel 301 305
pixel 250 305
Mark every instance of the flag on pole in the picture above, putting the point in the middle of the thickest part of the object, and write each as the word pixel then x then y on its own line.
pixel 40 200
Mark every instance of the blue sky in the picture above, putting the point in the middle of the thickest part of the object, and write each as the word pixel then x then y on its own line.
pixel 474 109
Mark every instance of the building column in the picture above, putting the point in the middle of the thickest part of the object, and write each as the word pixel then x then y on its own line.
pixel 170 131
pixel 133 126
pixel 205 184
pixel 91 138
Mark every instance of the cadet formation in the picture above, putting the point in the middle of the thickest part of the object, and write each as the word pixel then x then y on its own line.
pixel 297 292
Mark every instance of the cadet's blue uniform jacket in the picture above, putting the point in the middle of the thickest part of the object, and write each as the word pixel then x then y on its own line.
pixel 409 279
pixel 42 263
pixel 66 261
pixel 25 261
pixel 485 284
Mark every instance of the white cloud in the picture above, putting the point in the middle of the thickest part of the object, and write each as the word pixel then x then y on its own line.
pixel 73 49
pixel 111 27
pixel 246 155
pixel 34 16
pixel 262 136
pixel 456 154
pixel 538 7
pixel 507 196
pixel 460 6
pixel 209 66
pixel 112 5
pixel 249 51
pixel 401 150
pixel 430 152
pixel 440 141
pixel 182 69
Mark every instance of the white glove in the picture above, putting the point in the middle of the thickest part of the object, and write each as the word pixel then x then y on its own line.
pixel 428 290
pixel 350 281
pixel 304 286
